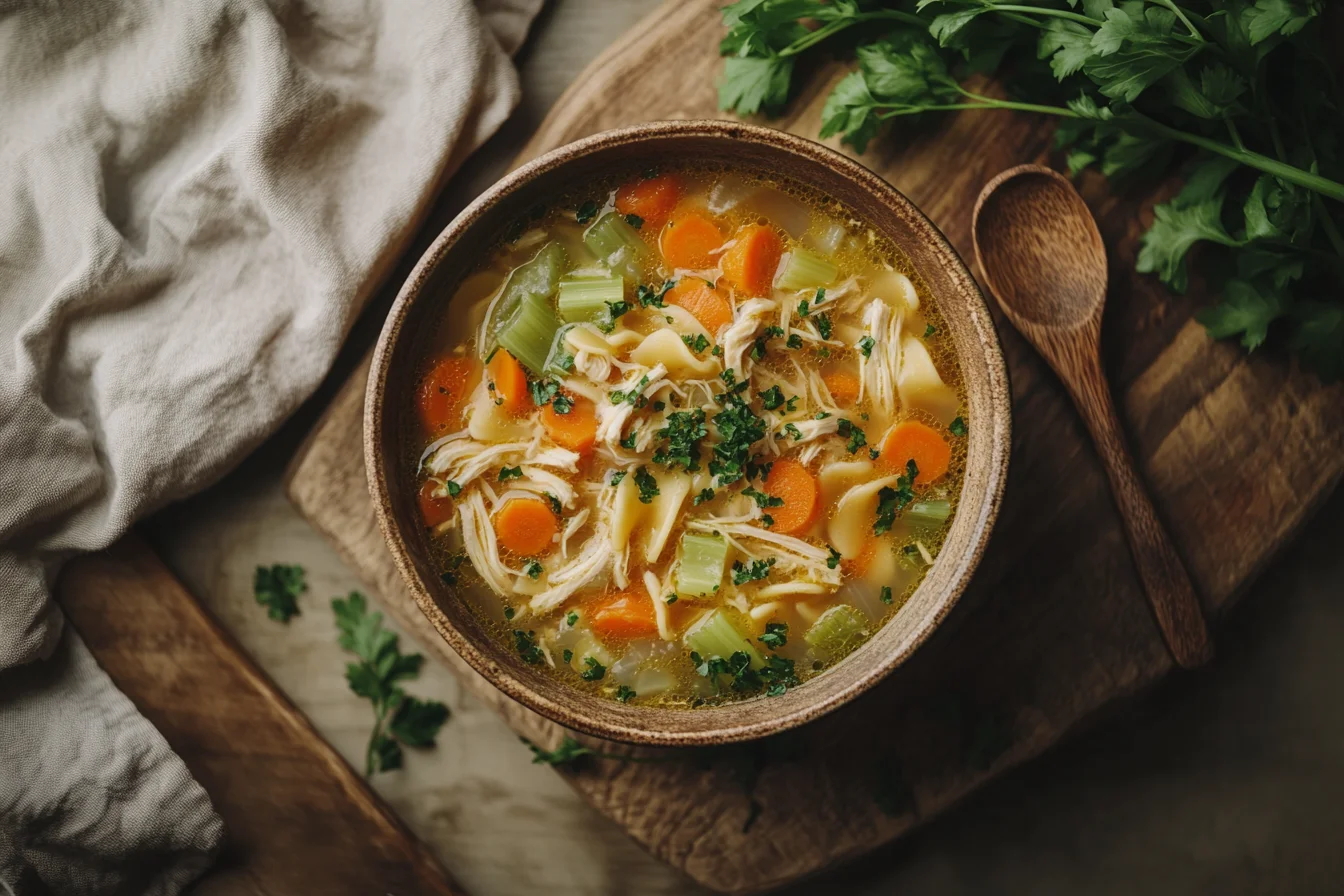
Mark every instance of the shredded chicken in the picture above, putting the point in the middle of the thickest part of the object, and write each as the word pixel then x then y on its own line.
pixel 753 315
pixel 462 460
pixel 478 537
pixel 878 371
pixel 611 418
pixel 656 592
pixel 573 525
pixel 791 550
pixel 569 578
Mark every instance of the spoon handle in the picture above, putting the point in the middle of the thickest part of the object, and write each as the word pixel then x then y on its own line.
pixel 1170 593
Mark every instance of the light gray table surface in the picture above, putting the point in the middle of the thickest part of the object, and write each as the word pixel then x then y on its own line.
pixel 1226 781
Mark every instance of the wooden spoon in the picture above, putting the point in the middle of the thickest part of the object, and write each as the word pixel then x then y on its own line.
pixel 1042 257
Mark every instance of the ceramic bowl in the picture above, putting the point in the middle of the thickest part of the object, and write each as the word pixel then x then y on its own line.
pixel 467 239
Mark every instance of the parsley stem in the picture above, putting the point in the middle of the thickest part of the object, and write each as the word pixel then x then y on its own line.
pixel 835 26
pixel 1194 32
pixel 1049 13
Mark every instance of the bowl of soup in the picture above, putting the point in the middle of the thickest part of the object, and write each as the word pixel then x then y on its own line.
pixel 687 433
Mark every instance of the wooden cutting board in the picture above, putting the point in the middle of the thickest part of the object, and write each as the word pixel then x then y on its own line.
pixel 297 818
pixel 1054 628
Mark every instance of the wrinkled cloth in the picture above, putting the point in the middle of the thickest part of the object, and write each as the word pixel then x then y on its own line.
pixel 195 199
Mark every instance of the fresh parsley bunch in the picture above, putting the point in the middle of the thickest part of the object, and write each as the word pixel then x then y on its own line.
pixel 1241 92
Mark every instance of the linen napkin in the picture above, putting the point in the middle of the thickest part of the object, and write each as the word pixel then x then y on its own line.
pixel 195 199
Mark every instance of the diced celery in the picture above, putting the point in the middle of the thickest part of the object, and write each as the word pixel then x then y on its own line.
pixel 702 561
pixel 584 300
pixel 837 632
pixel 617 245
pixel 928 514
pixel 714 635
pixel 804 270
pixel 529 332
pixel 538 278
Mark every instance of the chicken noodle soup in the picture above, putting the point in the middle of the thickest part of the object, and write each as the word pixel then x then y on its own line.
pixel 704 438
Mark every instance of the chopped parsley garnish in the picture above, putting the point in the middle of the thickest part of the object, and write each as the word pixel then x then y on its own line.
pixel 634 221
pixel 592 670
pixel 890 500
pixel 874 453
pixel 670 599
pixel 706 494
pixel 625 694
pixel 617 477
pixel 772 398
pixel 802 308
pixel 556 506
pixel 775 635
pixel 885 594
pixel 857 437
pixel 866 346
pixel 586 212
pixel 533 569
pixel 834 560
pixel 565 361
pixel 648 486
pixel 773 331
pixel 768 520
pixel 697 344
pixel 453 488
pixel 660 406
pixel 794 341
pixel 823 352
pixel 543 391
pixel 794 431
pixel 762 500
pixel 739 429
pixel 507 473
pixel 758 570
pixel 634 397
pixel 929 330
pixel 823 325
pixel 572 618
pixel 716 351
pixel 526 642
pixel 567 655
pixel 820 415
pixel 629 441
pixel 957 427
pixel 647 295
pixel 821 296
pixel 758 349
pixel 614 312
pixel 510 612
pixel 562 404
pixel 791 405
pixel 684 431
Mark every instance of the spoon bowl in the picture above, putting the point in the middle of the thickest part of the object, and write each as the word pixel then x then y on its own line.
pixel 1040 250
pixel 1042 257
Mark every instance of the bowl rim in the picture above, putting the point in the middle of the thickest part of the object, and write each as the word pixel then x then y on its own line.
pixel 996 469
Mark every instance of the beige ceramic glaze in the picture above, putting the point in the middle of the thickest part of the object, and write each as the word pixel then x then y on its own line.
pixel 468 238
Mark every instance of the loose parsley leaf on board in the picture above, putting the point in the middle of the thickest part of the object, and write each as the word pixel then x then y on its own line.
pixel 399 719
pixel 277 588
pixel 568 751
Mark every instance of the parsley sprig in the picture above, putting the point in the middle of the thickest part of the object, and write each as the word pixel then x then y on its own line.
pixel 277 588
pixel 1240 91
pixel 399 719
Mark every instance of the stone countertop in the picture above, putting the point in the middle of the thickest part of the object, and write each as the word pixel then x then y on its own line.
pixel 1228 780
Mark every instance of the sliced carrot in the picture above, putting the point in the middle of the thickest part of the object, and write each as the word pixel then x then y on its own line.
pixel 858 565
pixel 624 615
pixel 525 526
pixel 575 430
pixel 689 240
pixel 443 392
pixel 651 198
pixel 749 264
pixel 791 481
pixel 705 304
pixel 913 440
pixel 843 385
pixel 510 382
pixel 434 509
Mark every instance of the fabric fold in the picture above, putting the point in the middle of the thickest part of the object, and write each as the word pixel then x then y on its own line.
pixel 195 201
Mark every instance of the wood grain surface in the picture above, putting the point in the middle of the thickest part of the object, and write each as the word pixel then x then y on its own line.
pixel 1238 452
pixel 298 819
